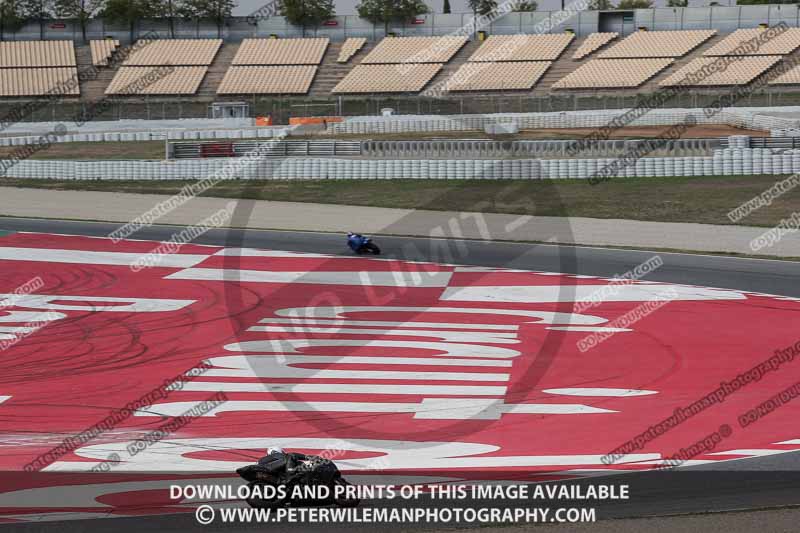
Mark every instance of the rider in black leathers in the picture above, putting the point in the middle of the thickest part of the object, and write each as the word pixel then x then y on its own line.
pixel 281 463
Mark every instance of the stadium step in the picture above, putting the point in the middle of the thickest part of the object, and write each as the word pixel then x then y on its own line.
pixel 216 71
pixel 331 72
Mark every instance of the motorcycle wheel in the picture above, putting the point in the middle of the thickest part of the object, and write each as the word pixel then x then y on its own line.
pixel 264 503
pixel 373 249
pixel 344 501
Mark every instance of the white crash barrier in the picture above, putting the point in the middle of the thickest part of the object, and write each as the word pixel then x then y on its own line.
pixel 736 159
pixel 751 118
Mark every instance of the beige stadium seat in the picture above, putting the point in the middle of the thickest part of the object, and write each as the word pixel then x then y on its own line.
pixel 39 81
pixel 350 48
pixel 540 47
pixel 156 79
pixel 501 76
pixel 101 51
pixel 281 51
pixel 612 73
pixel 411 78
pixel 37 54
pixel 593 42
pixel 704 71
pixel 274 79
pixel 772 44
pixel 415 50
pixel 173 52
pixel 657 44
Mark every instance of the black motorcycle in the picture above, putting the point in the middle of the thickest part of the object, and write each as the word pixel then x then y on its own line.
pixel 368 247
pixel 265 490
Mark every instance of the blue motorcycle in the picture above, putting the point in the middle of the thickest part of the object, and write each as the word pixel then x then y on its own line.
pixel 362 245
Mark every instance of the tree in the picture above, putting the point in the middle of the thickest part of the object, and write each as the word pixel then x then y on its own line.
pixel 386 11
pixel 634 4
pixel 216 10
pixel 598 5
pixel 80 10
pixel 168 9
pixel 127 12
pixel 481 7
pixel 11 17
pixel 307 12
pixel 526 5
pixel 446 8
pixel 39 10
pixel 677 3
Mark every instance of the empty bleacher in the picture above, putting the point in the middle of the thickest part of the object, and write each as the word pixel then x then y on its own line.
pixel 790 77
pixel 281 51
pixel 594 42
pixel 37 54
pixel 400 65
pixel 38 68
pixel 740 70
pixel 39 81
pixel 102 50
pixel 274 66
pixel 657 44
pixel 178 52
pixel 350 48
pixel 778 44
pixel 415 50
pixel 164 79
pixel 613 73
pixel 389 78
pixel 500 76
pixel 268 79
pixel 543 47
pixel 164 67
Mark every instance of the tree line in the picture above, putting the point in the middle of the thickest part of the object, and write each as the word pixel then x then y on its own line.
pixel 303 13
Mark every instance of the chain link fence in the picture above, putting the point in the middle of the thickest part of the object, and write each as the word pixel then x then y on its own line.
pixel 283 108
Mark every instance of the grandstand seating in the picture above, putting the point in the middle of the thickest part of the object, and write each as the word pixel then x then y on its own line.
pixel 593 42
pixel 350 48
pixel 790 77
pixel 415 50
pixel 178 52
pixel 39 81
pixel 739 71
pixel 779 44
pixel 281 51
pixel 102 49
pixel 612 73
pixel 38 68
pixel 657 44
pixel 188 60
pixel 542 47
pixel 388 78
pixel 157 80
pixel 500 76
pixel 268 79
pixel 37 54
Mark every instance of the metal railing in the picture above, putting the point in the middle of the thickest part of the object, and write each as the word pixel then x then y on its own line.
pixel 197 150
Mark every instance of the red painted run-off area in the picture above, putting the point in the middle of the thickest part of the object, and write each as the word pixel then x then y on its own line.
pixel 69 374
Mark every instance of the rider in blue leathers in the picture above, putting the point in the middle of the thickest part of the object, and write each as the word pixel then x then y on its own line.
pixel 355 241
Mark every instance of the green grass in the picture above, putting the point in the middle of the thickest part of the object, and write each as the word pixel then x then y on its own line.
pixel 96 150
pixel 697 199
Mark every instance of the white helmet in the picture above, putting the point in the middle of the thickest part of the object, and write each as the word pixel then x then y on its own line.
pixel 274 449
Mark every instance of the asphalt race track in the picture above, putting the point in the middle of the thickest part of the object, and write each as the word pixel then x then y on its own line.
pixel 715 319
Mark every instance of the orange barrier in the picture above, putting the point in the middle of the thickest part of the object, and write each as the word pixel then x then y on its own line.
pixel 263 121
pixel 313 120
